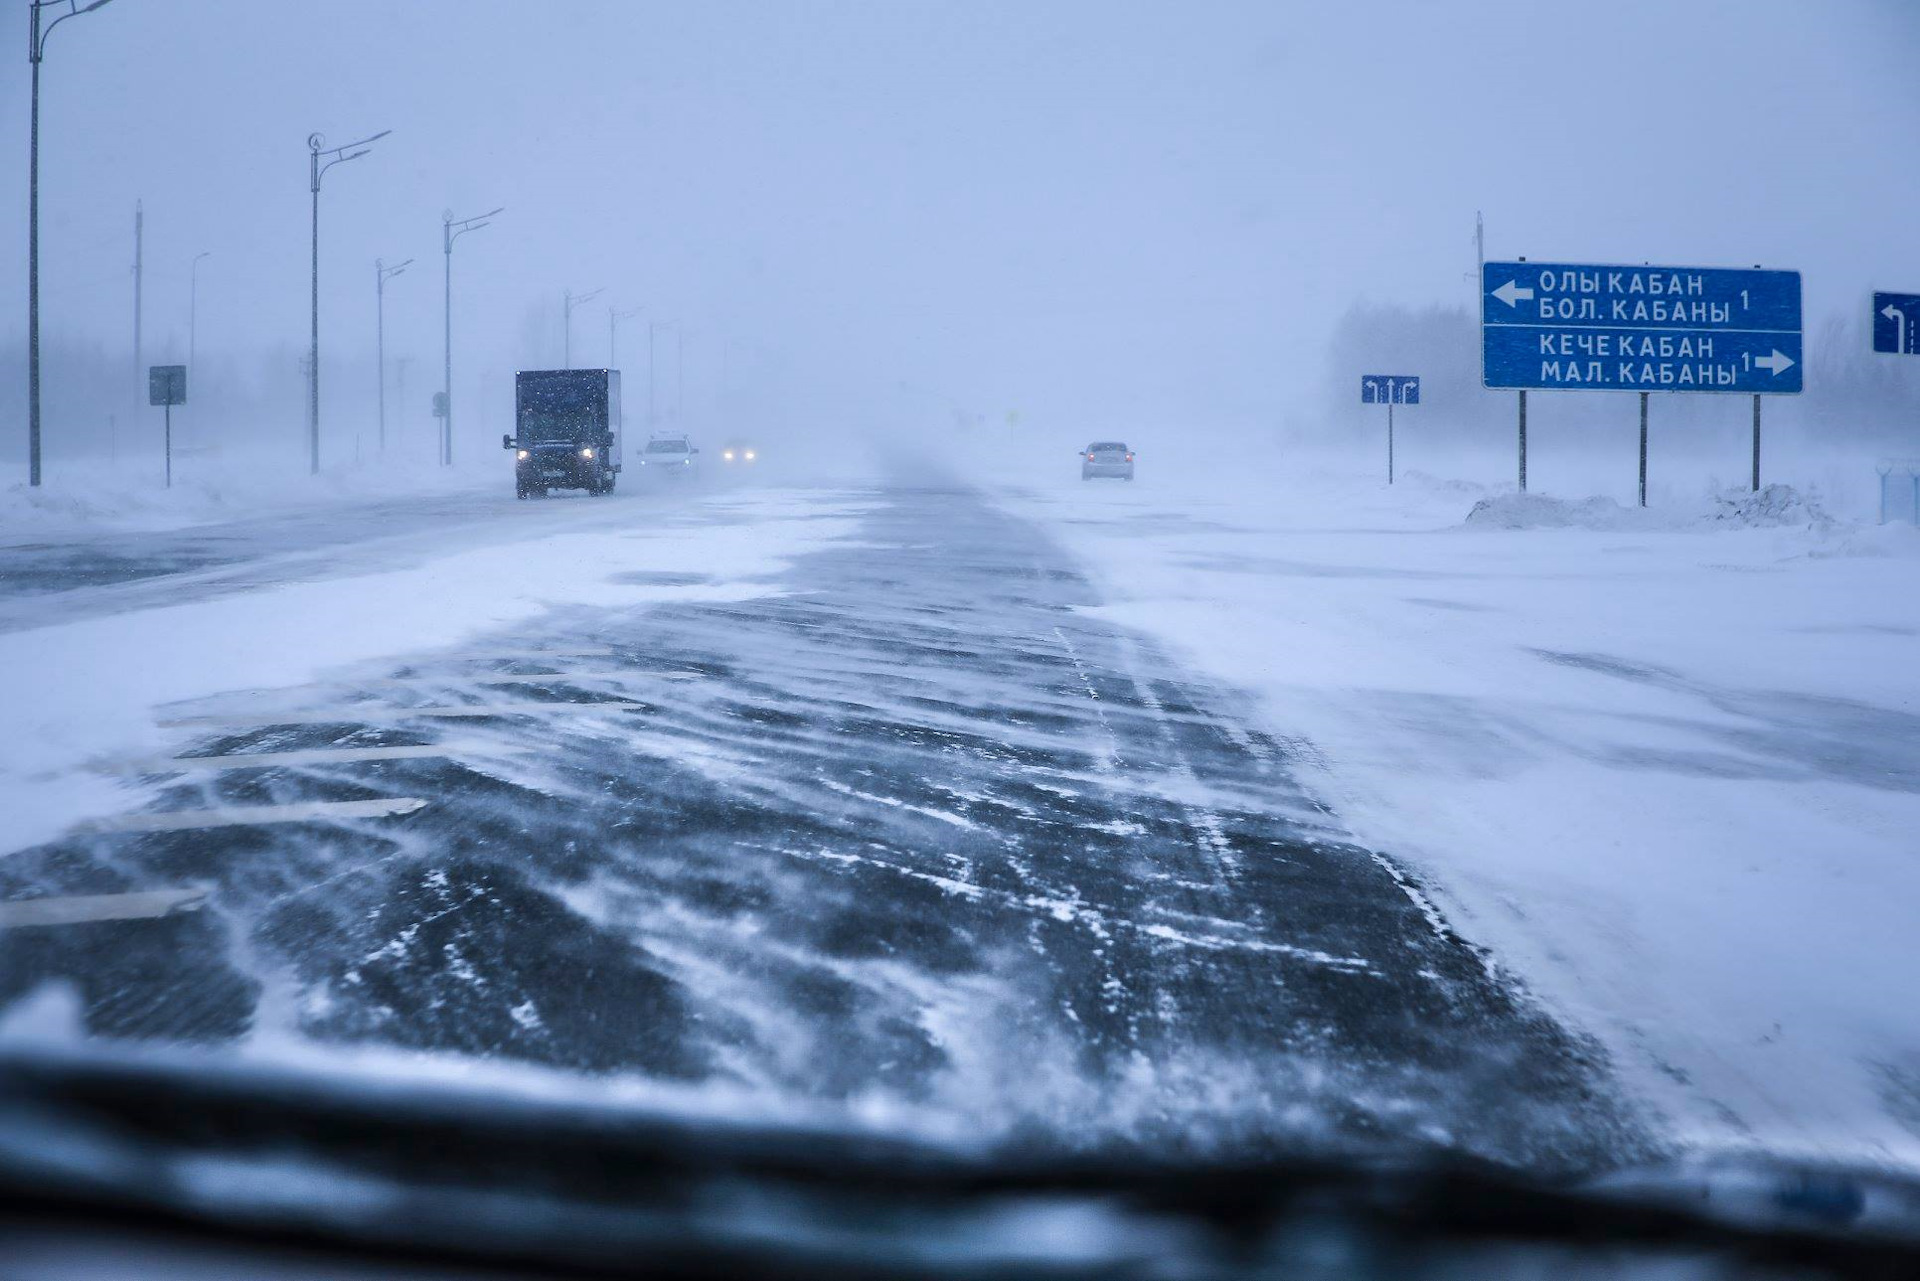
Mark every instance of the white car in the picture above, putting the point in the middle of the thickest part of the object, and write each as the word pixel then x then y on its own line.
pixel 1106 458
pixel 668 457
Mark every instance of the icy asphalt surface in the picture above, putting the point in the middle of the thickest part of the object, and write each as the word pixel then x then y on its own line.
pixel 912 828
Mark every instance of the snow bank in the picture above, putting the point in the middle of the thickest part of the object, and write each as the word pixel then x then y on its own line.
pixel 103 678
pixel 95 500
pixel 1542 511
pixel 1775 506
pixel 1900 540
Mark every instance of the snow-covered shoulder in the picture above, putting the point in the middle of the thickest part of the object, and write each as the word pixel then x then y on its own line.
pixel 1663 763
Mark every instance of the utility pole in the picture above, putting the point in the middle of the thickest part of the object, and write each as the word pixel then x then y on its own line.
pixel 400 376
pixel 381 274
pixel 448 234
pixel 36 51
pixel 139 235
pixel 614 316
pixel 193 310
pixel 317 147
pixel 653 327
pixel 679 376
pixel 1479 252
pixel 568 301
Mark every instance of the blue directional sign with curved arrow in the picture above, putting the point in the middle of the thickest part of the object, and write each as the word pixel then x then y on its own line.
pixel 1390 389
pixel 1896 324
pixel 1595 327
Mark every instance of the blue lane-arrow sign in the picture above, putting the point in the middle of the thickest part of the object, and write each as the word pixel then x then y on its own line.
pixel 1390 389
pixel 1896 324
pixel 1599 327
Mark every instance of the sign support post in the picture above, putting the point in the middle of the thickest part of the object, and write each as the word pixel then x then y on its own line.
pixel 1756 442
pixel 1523 440
pixel 167 387
pixel 1390 390
pixel 1643 448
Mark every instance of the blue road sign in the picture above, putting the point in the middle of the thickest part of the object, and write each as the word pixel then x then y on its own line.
pixel 1594 327
pixel 1896 324
pixel 1391 389
pixel 166 384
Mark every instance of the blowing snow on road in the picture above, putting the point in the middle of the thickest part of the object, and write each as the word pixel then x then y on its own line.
pixel 882 819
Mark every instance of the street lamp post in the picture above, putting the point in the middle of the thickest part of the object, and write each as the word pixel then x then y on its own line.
pixel 316 148
pixel 36 50
pixel 451 229
pixel 381 274
pixel 653 327
pixel 193 310
pixel 569 300
pixel 614 316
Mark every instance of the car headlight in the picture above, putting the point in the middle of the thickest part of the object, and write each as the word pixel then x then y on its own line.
pixel 523 455
pixel 727 454
pixel 586 453
pixel 749 455
pixel 686 462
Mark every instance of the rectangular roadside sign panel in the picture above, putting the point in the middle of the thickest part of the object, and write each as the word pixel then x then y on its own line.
pixel 166 384
pixel 1598 327
pixel 1389 389
pixel 1896 324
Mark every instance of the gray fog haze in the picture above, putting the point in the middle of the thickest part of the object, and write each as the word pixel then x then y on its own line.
pixel 1079 212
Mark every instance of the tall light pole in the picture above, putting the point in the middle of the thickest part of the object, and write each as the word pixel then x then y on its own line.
pixel 316 148
pixel 193 310
pixel 381 274
pixel 614 316
pixel 451 229
pixel 139 270
pixel 568 301
pixel 400 376
pixel 36 50
pixel 653 327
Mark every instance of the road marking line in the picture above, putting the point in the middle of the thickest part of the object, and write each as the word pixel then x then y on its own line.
pixel 266 760
pixel 516 655
pixel 249 816
pixel 526 678
pixel 495 678
pixel 20 913
pixel 374 715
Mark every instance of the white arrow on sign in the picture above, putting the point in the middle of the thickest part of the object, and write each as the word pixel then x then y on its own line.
pixel 1779 362
pixel 1902 336
pixel 1373 389
pixel 1511 293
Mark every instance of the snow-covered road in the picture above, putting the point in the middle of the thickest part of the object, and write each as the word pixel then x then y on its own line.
pixel 851 796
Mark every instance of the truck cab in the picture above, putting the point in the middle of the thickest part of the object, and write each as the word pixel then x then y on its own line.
pixel 566 431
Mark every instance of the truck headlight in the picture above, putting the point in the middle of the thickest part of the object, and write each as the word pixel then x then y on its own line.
pixel 523 455
pixel 586 453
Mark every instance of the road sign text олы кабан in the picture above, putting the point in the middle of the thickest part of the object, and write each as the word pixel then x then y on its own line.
pixel 1594 327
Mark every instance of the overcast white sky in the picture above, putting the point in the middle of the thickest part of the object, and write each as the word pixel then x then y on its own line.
pixel 1038 203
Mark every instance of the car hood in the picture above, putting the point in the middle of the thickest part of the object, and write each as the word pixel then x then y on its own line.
pixel 387 1157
